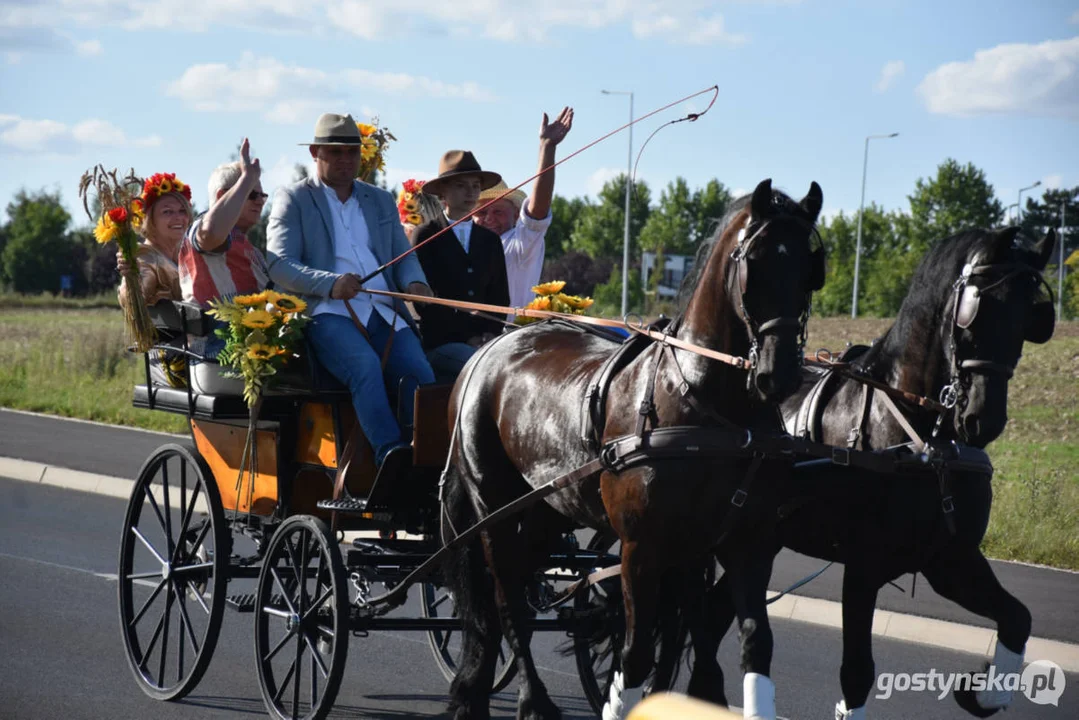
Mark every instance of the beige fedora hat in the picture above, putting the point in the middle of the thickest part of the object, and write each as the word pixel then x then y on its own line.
pixel 334 129
pixel 456 163
pixel 517 197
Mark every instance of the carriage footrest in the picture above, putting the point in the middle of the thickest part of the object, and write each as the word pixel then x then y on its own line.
pixel 245 602
pixel 346 505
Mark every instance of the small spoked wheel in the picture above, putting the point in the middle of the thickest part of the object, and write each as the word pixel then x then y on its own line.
pixel 173 569
pixel 446 644
pixel 597 646
pixel 301 620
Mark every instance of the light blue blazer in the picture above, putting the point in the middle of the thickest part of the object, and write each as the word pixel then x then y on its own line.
pixel 300 248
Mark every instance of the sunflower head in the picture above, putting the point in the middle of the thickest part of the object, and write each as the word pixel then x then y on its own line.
pixel 289 303
pixel 255 300
pixel 257 319
pixel 259 351
pixel 366 130
pixel 549 288
pixel 106 230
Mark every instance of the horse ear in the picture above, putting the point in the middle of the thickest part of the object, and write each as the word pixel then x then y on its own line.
pixel 1044 248
pixel 761 205
pixel 1006 236
pixel 813 201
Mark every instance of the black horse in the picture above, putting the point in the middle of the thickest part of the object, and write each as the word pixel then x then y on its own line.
pixel 520 403
pixel 974 300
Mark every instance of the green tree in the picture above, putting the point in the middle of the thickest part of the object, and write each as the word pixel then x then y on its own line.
pixel 564 214
pixel 670 228
pixel 1040 215
pixel 958 198
pixel 710 204
pixel 608 296
pixel 38 249
pixel 599 230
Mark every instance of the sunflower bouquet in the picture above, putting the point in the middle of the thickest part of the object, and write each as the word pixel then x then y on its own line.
pixel 374 141
pixel 408 207
pixel 120 204
pixel 262 332
pixel 549 297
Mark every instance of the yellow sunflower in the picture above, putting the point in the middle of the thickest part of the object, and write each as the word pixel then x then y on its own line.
pixel 289 303
pixel 106 230
pixel 414 219
pixel 259 351
pixel 251 300
pixel 165 186
pixel 540 303
pixel 575 302
pixel 366 130
pixel 549 288
pixel 258 319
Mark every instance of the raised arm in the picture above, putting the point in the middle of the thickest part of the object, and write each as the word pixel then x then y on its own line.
pixel 539 202
pixel 225 211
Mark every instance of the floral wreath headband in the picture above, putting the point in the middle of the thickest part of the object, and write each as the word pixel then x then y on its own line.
pixel 408 207
pixel 156 187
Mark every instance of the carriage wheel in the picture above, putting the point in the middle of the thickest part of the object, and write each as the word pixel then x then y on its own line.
pixel 174 555
pixel 445 644
pixel 598 651
pixel 301 620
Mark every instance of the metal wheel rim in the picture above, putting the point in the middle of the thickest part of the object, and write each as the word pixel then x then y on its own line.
pixel 434 597
pixel 596 667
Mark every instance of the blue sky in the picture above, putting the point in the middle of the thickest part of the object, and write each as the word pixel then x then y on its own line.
pixel 173 87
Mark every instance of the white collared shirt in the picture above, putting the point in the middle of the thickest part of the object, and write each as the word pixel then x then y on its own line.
pixel 523 246
pixel 352 254
pixel 463 230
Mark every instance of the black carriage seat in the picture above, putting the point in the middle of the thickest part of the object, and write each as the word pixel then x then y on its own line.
pixel 307 379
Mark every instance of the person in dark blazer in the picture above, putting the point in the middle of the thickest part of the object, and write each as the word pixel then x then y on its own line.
pixel 464 263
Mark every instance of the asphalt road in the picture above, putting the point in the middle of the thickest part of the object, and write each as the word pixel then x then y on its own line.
pixel 61 654
pixel 1051 595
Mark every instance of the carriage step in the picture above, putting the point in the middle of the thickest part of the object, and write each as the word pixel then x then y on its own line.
pixel 347 505
pixel 245 602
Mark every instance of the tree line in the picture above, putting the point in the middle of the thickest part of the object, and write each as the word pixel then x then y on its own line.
pixel 39 243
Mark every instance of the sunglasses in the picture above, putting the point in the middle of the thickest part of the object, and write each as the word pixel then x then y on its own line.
pixel 255 196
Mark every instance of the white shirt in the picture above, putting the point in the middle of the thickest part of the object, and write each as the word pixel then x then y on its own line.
pixel 463 230
pixel 352 254
pixel 523 246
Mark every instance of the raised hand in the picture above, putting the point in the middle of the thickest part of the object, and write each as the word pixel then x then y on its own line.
pixel 555 132
pixel 248 166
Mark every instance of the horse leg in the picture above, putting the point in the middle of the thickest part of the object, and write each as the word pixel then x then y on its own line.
pixel 964 576
pixel 857 672
pixel 505 551
pixel 749 581
pixel 671 626
pixel 707 626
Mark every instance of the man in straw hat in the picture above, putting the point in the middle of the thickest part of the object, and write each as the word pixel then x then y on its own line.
pixel 522 221
pixel 324 234
pixel 465 263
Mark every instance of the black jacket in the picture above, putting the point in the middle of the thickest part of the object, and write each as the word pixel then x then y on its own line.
pixel 476 276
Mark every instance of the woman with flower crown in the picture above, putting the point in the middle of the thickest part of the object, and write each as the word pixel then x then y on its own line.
pixel 162 216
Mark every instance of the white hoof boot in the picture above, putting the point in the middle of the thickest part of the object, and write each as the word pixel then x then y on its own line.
pixel 612 710
pixel 842 713
pixel 1005 662
pixel 758 697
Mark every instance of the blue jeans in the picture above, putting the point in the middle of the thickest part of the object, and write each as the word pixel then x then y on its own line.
pixel 351 359
pixel 448 360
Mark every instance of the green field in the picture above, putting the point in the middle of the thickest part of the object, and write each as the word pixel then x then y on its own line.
pixel 72 362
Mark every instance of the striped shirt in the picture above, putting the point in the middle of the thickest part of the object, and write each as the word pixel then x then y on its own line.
pixel 235 268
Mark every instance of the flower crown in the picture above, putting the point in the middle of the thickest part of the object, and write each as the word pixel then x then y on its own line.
pixel 156 186
pixel 408 207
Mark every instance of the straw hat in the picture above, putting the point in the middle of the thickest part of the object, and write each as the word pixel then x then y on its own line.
pixel 333 129
pixel 517 197
pixel 456 163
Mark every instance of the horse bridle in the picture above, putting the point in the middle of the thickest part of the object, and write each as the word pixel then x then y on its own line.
pixel 965 303
pixel 738 270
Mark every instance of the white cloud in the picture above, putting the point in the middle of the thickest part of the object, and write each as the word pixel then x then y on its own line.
pixel 291 94
pixel 38 136
pixel 739 192
pixel 601 177
pixel 88 48
pixel 1040 79
pixel 394 176
pixel 674 21
pixel 889 73
pixel 1052 182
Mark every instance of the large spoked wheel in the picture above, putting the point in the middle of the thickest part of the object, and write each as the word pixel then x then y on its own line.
pixel 174 555
pixel 598 649
pixel 446 644
pixel 301 620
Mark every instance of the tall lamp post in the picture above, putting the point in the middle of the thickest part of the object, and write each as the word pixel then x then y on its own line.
pixel 1008 211
pixel 629 183
pixel 1019 209
pixel 861 211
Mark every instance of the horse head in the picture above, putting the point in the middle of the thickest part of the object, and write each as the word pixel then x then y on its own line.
pixel 771 271
pixel 996 304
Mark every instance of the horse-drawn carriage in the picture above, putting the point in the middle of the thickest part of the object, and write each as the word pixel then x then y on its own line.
pixel 200 517
pixel 676 448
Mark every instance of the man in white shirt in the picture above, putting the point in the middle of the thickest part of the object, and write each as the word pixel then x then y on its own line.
pixel 522 222
pixel 324 234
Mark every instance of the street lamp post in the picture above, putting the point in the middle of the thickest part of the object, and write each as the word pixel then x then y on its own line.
pixel 629 183
pixel 861 211
pixel 1008 211
pixel 1019 208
